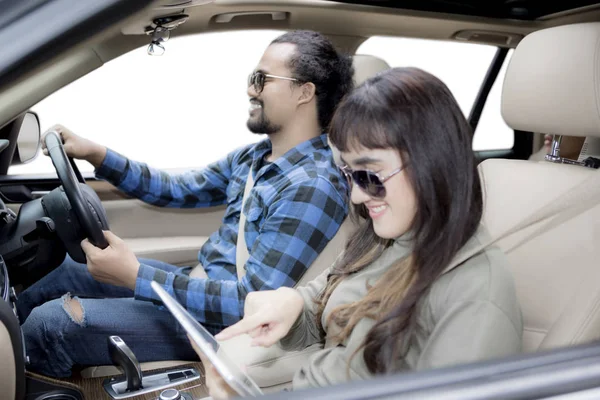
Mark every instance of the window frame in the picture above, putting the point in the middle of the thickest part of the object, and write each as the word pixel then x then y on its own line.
pixel 523 141
pixel 561 371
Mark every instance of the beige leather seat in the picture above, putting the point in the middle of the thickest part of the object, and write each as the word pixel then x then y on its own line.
pixel 12 366
pixel 551 86
pixel 366 66
pixel 260 362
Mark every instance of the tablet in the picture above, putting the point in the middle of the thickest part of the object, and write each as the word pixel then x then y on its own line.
pixel 210 347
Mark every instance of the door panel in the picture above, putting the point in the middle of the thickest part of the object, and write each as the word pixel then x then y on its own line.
pixel 135 219
pixel 177 250
pixel 167 234
pixel 105 190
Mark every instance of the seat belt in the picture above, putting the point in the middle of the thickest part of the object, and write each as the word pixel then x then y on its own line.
pixel 241 251
pixel 558 210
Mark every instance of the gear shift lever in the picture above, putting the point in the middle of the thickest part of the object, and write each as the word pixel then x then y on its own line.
pixel 122 356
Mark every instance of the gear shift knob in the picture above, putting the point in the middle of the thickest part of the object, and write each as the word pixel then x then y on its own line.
pixel 170 394
pixel 122 356
pixel 174 394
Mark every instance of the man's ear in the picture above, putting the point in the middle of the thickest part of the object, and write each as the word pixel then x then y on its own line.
pixel 308 92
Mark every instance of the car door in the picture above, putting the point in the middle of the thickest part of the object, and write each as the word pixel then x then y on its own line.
pixel 568 373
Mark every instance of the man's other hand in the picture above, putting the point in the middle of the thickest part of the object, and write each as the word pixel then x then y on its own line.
pixel 116 264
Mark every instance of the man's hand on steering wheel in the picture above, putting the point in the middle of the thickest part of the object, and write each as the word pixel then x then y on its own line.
pixel 77 147
pixel 88 219
pixel 116 264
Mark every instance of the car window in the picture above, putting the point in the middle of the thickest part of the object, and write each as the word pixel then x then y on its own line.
pixel 492 133
pixel 183 109
pixel 188 107
pixel 462 66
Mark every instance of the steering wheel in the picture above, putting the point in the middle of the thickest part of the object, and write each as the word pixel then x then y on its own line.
pixel 66 175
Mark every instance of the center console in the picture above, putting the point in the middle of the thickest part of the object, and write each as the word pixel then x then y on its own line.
pixel 134 382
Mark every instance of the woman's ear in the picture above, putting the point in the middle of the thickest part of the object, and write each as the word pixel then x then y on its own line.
pixel 308 92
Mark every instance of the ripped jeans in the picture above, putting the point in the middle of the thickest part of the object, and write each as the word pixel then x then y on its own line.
pixel 57 339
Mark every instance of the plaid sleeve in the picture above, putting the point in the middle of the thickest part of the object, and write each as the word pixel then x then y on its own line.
pixel 299 225
pixel 200 188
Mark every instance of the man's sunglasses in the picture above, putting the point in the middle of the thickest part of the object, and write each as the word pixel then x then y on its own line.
pixel 368 181
pixel 258 78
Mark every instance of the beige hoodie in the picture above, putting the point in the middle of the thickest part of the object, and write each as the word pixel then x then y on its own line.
pixel 471 313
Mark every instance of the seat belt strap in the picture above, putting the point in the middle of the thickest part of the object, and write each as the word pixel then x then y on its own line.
pixel 562 208
pixel 241 251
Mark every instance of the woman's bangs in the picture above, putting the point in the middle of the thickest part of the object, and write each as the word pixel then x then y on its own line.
pixel 357 125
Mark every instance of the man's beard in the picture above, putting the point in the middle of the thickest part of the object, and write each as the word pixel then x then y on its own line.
pixel 261 124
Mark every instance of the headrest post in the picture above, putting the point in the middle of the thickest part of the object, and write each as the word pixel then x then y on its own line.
pixel 554 154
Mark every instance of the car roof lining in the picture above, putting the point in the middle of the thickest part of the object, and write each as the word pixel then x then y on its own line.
pixel 348 25
pixel 524 10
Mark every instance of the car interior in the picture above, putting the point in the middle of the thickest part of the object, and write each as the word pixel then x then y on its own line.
pixel 550 88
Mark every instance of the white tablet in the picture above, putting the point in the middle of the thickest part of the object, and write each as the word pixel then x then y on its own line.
pixel 206 342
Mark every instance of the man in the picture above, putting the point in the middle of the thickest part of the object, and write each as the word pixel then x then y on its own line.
pixel 296 205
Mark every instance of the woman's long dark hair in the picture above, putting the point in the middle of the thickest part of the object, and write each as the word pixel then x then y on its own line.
pixel 413 112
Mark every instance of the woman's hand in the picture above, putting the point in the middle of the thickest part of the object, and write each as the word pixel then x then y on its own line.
pixel 218 389
pixel 268 316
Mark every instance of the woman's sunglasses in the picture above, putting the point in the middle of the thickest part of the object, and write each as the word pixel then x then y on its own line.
pixel 368 181
pixel 258 78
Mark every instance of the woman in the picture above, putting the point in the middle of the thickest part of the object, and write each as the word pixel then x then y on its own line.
pixel 390 303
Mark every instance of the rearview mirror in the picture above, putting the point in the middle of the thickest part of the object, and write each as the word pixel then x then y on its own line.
pixel 28 141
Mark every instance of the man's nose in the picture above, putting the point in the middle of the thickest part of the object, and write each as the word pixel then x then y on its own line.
pixel 252 93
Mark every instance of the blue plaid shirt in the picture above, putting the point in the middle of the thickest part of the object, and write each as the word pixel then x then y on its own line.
pixel 296 205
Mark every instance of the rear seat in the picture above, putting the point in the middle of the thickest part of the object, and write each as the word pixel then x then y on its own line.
pixel 552 86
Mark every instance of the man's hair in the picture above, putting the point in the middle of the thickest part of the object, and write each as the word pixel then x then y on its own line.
pixel 316 60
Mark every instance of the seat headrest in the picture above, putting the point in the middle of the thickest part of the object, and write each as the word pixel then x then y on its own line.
pixel 552 84
pixel 365 66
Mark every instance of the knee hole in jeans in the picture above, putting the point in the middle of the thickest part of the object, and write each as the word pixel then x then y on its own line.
pixel 74 309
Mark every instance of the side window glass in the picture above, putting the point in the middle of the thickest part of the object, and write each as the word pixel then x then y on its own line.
pixel 181 110
pixel 461 66
pixel 492 133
